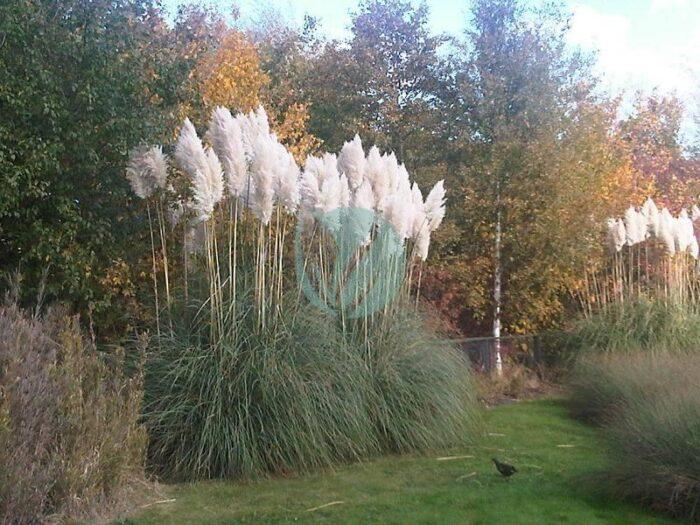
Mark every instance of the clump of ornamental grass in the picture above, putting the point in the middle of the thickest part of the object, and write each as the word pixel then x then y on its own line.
pixel 301 394
pixel 288 398
pixel 648 405
pixel 643 325
pixel 603 385
pixel 424 394
pixel 71 444
pixel 655 443
pixel 243 378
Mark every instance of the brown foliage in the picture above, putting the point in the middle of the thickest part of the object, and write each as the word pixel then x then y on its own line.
pixel 70 441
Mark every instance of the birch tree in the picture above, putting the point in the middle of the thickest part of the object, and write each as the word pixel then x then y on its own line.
pixel 533 141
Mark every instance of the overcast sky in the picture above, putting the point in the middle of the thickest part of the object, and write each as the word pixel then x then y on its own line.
pixel 641 44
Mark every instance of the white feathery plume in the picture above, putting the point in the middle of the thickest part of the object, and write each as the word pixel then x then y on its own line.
pixel 322 188
pixel 309 185
pixel 435 205
pixel 252 125
pixel 315 166
pixel 378 177
pixel 287 188
pixel 642 226
pixel 374 166
pixel 203 168
pixel 423 244
pixel 684 232
pixel 249 133
pixel 263 167
pixel 344 191
pixel 330 167
pixel 620 235
pixel 666 231
pixel 391 169
pixel 331 194
pixel 147 170
pixel 634 236
pixel 695 213
pixel 260 116
pixel 226 138
pixel 420 220
pixel 363 197
pixel 352 162
pixel 398 212
pixel 209 190
pixel 189 151
pixel 694 248
pixel 651 213
pixel 677 230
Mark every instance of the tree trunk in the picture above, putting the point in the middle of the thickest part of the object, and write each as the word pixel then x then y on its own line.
pixel 497 285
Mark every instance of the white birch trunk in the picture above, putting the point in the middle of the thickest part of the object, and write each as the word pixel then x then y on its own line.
pixel 497 285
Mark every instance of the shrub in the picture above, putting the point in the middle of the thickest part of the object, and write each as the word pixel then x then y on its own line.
pixel 302 394
pixel 70 441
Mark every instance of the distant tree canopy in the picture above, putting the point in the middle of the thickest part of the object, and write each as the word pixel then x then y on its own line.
pixel 506 113
pixel 384 83
pixel 661 167
pixel 507 116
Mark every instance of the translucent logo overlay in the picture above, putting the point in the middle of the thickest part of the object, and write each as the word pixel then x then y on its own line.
pixel 350 262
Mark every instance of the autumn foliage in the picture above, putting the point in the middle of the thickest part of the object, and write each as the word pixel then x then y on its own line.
pixel 511 117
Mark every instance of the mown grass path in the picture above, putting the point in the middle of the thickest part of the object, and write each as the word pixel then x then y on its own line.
pixel 552 452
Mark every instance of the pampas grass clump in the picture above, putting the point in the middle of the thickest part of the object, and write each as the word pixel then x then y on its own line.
pixel 289 399
pixel 302 395
pixel 656 441
pixel 642 326
pixel 243 378
pixel 637 378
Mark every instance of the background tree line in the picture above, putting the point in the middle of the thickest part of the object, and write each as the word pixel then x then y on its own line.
pixel 507 113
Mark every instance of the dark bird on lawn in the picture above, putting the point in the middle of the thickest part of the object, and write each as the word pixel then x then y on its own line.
pixel 505 469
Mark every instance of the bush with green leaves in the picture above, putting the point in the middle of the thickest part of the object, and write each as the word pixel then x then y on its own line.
pixel 83 82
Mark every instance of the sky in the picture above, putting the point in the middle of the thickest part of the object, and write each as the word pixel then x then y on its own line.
pixel 640 44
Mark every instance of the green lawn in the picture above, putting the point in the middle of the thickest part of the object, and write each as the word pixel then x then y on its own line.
pixel 552 452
